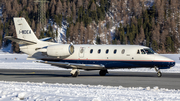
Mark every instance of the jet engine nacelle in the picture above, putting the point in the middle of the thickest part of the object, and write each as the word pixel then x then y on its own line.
pixel 60 50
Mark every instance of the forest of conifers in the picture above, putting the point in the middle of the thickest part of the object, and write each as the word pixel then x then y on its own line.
pixel 138 22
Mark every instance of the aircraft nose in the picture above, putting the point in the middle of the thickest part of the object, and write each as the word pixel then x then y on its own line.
pixel 164 61
pixel 171 64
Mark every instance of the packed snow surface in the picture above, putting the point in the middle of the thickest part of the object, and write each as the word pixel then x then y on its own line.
pixel 68 92
pixel 29 91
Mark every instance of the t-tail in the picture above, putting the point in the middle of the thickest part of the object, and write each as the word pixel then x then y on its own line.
pixel 34 47
pixel 25 35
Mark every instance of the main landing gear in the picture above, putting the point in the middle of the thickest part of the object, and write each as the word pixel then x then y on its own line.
pixel 103 72
pixel 75 72
pixel 159 74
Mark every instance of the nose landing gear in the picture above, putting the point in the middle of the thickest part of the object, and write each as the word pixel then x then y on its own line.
pixel 159 74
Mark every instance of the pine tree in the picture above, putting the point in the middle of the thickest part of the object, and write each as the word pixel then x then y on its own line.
pixel 59 8
pixel 86 4
pixel 106 35
pixel 74 12
pixel 38 31
pixel 141 35
pixel 33 25
pixel 98 40
pixel 168 44
pixel 64 9
pixel 81 28
pixel 56 33
pixel 109 38
pixel 24 3
pixel 76 33
pixel 93 6
pixel 79 3
pixel 122 35
pixel 69 13
pixel 52 10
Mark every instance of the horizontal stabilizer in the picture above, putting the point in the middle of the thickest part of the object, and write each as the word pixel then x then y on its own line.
pixel 20 41
pixel 46 39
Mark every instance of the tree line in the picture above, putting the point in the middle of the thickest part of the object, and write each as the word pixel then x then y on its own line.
pixel 138 22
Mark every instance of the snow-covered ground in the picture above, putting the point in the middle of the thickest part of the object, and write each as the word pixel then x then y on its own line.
pixel 67 92
pixel 29 91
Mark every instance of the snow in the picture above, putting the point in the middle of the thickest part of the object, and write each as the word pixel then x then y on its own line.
pixel 61 32
pixel 18 61
pixel 8 49
pixel 61 37
pixel 10 91
pixel 79 92
pixel 149 3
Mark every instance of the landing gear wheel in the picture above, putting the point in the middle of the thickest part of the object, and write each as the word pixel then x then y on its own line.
pixel 159 74
pixel 75 72
pixel 103 72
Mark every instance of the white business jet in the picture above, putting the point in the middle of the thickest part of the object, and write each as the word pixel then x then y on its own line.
pixel 87 57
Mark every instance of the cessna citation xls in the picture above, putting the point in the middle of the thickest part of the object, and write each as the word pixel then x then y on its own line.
pixel 87 57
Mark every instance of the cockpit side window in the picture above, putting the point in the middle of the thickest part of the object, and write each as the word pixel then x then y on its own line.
pixel 149 51
pixel 142 51
pixel 138 52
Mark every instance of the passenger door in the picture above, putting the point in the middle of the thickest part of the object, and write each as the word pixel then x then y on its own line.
pixel 81 52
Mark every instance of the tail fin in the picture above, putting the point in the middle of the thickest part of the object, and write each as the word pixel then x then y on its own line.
pixel 23 30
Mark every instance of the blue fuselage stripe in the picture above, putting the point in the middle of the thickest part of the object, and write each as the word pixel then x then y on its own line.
pixel 122 64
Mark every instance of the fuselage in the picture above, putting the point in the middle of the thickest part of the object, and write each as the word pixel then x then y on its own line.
pixel 111 56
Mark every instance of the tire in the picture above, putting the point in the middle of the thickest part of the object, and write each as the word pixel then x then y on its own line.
pixel 159 74
pixel 75 74
pixel 102 72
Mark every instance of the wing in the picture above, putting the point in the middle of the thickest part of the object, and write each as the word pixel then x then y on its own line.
pixel 75 65
pixel 20 41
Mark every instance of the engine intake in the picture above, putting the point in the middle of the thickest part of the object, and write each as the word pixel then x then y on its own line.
pixel 60 50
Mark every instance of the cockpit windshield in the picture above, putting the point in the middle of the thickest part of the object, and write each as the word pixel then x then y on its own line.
pixel 149 51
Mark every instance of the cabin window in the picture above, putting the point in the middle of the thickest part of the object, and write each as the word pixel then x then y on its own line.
pixel 115 51
pixel 107 51
pixel 91 51
pixel 123 51
pixel 138 52
pixel 99 51
pixel 142 51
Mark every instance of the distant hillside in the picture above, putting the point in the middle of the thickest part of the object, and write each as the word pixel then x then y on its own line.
pixel 153 23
